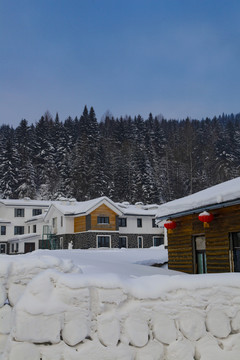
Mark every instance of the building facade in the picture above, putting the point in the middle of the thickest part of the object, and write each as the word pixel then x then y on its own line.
pixel 210 247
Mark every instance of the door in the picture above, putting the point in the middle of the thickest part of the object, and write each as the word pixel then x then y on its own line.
pixel 3 249
pixel 200 254
pixel 235 249
pixel 140 241
pixel 29 247
pixel 122 242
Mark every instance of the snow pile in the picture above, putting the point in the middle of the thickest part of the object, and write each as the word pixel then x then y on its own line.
pixel 62 313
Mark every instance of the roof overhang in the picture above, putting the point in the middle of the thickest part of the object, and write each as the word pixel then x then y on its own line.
pixel 199 209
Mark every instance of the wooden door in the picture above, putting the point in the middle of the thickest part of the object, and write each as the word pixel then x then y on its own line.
pixel 29 247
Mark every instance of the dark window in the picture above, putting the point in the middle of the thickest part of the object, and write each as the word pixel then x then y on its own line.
pixel 61 221
pixel 34 228
pixel 158 240
pixel 235 248
pixel 2 248
pixel 139 222
pixel 103 220
pixel 154 223
pixel 17 247
pixel 103 241
pixel 36 212
pixel 3 230
pixel 19 212
pixel 122 222
pixel 122 242
pixel 12 248
pixel 18 230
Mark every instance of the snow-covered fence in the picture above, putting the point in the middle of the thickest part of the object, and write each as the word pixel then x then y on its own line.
pixel 50 311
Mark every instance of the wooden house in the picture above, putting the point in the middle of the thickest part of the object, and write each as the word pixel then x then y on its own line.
pixel 195 246
pixel 99 223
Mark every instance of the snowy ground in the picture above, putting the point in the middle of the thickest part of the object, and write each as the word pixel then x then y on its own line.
pixel 124 262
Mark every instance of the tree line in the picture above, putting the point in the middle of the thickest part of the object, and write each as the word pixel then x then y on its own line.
pixel 152 160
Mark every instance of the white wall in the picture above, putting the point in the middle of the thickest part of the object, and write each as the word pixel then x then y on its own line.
pixel 146 228
pixel 7 212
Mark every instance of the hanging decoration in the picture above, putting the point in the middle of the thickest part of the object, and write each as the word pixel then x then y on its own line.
pixel 170 225
pixel 206 218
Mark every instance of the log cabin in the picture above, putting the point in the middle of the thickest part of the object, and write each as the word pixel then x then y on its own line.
pixel 203 233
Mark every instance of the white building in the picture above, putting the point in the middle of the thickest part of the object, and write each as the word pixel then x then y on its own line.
pixel 28 225
pixel 13 226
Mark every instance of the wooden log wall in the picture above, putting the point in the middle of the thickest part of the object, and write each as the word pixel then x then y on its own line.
pixel 180 242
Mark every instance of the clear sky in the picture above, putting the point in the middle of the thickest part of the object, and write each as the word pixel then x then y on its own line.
pixel 177 58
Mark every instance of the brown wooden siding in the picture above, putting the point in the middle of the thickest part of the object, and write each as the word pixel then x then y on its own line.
pixel 180 242
pixel 103 210
pixel 80 224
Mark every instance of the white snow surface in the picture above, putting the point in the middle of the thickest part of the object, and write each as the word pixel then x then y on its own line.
pixel 226 191
pixel 105 305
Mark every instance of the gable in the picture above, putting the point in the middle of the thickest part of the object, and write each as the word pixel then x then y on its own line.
pixel 92 220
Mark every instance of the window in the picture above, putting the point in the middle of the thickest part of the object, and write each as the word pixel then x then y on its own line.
pixel 54 222
pixel 140 241
pixel 103 220
pixel 200 255
pixel 139 222
pixel 154 223
pixel 158 240
pixel 18 230
pixel 17 247
pixel 3 230
pixel 19 212
pixel 61 221
pixel 122 242
pixel 34 228
pixel 235 251
pixel 122 222
pixel 29 229
pixel 36 212
pixel 12 248
pixel 2 248
pixel 103 241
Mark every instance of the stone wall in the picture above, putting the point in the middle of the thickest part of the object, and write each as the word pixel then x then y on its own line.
pixel 56 316
pixel 86 240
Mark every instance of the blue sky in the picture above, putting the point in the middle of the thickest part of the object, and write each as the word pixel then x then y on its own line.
pixel 177 58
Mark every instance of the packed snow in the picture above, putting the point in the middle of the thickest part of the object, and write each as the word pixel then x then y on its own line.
pixel 108 304
pixel 212 196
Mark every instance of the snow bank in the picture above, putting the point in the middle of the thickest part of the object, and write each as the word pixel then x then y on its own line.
pixel 49 310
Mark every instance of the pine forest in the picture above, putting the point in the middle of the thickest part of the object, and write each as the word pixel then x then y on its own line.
pixel 151 160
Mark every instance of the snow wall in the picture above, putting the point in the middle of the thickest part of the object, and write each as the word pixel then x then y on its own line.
pixel 50 311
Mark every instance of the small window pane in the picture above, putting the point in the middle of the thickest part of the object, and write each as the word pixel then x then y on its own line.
pixel 3 230
pixel 18 230
pixel 122 222
pixel 103 220
pixel 36 212
pixel 19 212
pixel 139 222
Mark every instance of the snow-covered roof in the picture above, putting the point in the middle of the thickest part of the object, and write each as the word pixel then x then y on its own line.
pixel 213 197
pixel 5 221
pixel 138 209
pixel 25 202
pixel 24 237
pixel 36 218
pixel 69 207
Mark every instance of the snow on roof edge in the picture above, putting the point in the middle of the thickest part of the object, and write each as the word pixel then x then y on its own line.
pixel 214 196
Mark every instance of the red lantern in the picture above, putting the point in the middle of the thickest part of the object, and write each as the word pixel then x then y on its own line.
pixel 170 225
pixel 206 218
